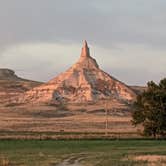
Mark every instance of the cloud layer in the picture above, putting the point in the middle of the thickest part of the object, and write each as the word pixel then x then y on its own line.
pixel 128 37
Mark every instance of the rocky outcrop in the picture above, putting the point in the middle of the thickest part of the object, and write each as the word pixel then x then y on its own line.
pixel 82 82
pixel 7 74
pixel 12 86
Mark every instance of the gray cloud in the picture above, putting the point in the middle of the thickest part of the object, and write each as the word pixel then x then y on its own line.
pixel 139 76
pixel 106 22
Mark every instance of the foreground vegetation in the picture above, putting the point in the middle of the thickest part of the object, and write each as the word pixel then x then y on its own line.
pixel 150 109
pixel 88 153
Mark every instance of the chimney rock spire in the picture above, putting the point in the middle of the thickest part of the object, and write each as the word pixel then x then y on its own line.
pixel 85 50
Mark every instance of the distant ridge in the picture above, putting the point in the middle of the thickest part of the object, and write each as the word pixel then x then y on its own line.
pixel 7 74
pixel 12 86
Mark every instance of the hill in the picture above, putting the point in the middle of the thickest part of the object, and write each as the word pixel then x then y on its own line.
pixel 83 82
pixel 11 85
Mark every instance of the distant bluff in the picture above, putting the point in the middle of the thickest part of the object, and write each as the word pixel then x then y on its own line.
pixel 7 74
pixel 12 86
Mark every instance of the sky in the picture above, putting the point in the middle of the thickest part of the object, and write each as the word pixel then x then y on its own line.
pixel 41 38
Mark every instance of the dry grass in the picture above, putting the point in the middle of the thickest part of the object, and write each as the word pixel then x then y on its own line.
pixel 152 160
pixel 5 161
pixel 48 119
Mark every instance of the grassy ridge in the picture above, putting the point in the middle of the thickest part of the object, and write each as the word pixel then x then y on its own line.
pixel 99 153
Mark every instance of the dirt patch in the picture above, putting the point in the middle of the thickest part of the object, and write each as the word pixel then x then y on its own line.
pixel 73 160
pixel 150 158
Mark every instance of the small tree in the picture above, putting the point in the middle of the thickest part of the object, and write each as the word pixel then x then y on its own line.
pixel 150 109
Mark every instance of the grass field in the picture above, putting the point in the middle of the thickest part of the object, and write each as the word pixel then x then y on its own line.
pixel 81 153
pixel 24 123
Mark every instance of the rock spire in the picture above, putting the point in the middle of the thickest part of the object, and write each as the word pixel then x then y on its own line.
pixel 82 82
pixel 85 50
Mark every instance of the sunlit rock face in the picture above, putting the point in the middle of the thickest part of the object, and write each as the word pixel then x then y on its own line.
pixel 82 82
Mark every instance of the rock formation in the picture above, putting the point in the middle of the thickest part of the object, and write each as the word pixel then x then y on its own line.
pixel 11 85
pixel 81 83
pixel 7 74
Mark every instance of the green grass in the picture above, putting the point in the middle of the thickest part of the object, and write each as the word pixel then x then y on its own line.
pixel 92 153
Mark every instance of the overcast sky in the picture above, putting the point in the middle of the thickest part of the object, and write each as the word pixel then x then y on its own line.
pixel 41 38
